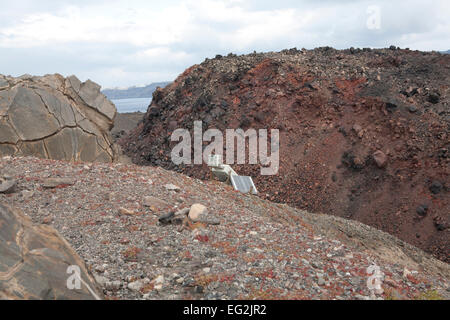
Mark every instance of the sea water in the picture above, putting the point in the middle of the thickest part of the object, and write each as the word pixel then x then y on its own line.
pixel 132 105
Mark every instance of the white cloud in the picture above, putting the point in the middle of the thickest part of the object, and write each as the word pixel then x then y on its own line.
pixel 104 24
pixel 121 42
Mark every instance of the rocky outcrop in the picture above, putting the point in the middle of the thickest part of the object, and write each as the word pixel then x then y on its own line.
pixel 35 262
pixel 363 133
pixel 57 118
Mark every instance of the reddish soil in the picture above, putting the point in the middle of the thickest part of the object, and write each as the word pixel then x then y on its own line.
pixel 335 110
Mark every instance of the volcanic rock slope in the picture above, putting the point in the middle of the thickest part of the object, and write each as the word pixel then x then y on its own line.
pixel 364 134
pixel 57 118
pixel 116 217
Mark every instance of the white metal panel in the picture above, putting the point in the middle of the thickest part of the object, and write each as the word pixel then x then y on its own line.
pixel 243 184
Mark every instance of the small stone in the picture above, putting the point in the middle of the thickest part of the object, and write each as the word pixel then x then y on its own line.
pixel 99 269
pixel 166 218
pixel 357 128
pixel 150 201
pixel 321 281
pixel 412 109
pixel 253 233
pixel 136 286
pixel 179 216
pixel 406 272
pixel 126 212
pixel 197 210
pixel 355 282
pixel 158 287
pixel 113 285
pixel 439 226
pixel 124 241
pixel 101 280
pixel 159 280
pixel 380 158
pixel 436 187
pixel 433 98
pixel 179 280
pixel 199 289
pixel 8 186
pixel 422 210
pixel 48 219
pixel 172 187
pixel 210 221
pixel 391 107
pixel 27 194
pixel 206 270
pixel 174 276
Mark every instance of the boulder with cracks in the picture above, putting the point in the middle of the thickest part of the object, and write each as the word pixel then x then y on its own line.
pixel 56 118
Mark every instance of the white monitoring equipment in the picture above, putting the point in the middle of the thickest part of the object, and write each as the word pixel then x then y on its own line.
pixel 225 173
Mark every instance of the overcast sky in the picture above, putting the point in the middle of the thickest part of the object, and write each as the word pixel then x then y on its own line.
pixel 119 43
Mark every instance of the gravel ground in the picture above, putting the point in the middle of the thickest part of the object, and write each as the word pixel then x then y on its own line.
pixel 260 250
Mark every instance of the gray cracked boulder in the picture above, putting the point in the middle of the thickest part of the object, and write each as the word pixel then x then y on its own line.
pixel 56 118
pixel 37 263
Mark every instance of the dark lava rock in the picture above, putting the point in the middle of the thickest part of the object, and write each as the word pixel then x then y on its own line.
pixel 433 98
pixel 422 210
pixel 166 218
pixel 352 161
pixel 440 226
pixel 436 187
pixel 391 107
pixel 412 109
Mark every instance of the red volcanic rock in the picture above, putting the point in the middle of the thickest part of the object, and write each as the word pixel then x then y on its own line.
pixel 334 110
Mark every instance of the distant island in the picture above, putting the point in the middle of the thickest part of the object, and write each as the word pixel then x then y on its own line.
pixel 134 92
